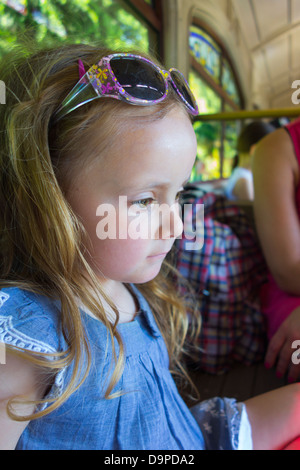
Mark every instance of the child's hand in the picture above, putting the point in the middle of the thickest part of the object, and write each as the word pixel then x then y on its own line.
pixel 280 347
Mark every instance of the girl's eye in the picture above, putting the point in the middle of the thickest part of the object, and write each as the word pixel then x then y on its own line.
pixel 143 203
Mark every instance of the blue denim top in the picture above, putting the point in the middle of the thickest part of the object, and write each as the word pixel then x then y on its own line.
pixel 149 414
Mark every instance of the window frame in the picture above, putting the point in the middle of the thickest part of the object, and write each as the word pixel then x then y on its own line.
pixel 198 68
pixel 226 100
pixel 152 15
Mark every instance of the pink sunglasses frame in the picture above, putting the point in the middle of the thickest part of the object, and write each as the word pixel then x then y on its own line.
pixel 100 81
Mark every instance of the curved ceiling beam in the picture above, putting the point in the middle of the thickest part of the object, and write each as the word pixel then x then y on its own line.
pixel 279 34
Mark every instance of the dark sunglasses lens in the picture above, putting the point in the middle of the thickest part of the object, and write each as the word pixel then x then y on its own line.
pixel 183 89
pixel 139 78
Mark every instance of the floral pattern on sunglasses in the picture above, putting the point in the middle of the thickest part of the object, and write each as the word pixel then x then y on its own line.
pixel 130 78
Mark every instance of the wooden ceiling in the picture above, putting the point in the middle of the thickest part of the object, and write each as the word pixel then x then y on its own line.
pixel 271 30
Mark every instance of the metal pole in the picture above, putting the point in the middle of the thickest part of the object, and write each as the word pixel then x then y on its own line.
pixel 255 114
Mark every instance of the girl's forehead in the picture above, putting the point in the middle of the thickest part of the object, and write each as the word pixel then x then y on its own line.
pixel 156 162
pixel 175 129
pixel 153 152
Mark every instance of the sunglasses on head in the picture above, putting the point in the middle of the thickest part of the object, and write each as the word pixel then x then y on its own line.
pixel 129 78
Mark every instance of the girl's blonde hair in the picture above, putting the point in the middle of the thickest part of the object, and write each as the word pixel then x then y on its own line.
pixel 43 244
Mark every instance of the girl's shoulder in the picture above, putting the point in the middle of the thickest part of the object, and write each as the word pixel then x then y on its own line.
pixel 28 320
pixel 240 172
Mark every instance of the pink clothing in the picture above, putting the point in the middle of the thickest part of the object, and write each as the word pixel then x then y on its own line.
pixel 276 304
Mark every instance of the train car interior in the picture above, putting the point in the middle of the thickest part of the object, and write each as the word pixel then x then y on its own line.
pixel 241 59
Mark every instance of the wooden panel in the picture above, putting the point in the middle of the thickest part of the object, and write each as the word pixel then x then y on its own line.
pixel 247 23
pixel 270 15
pixel 266 380
pixel 240 382
pixel 270 29
pixel 295 10
pixel 148 12
pixel 295 42
pixel 208 386
pixel 274 50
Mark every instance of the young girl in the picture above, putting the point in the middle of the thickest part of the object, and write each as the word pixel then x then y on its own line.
pixel 89 317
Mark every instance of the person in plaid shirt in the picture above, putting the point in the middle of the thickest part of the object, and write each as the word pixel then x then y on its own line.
pixel 226 275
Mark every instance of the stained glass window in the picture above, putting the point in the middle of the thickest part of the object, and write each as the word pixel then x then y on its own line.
pixel 229 83
pixel 213 82
pixel 206 52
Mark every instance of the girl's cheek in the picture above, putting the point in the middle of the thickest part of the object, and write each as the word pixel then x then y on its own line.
pixel 139 226
pixel 135 223
pixel 123 225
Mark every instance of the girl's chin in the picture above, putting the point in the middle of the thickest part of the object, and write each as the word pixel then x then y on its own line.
pixel 145 276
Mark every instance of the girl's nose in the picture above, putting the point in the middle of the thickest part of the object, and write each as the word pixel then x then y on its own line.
pixel 177 224
pixel 170 222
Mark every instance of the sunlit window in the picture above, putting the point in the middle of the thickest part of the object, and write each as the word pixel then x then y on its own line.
pixel 229 83
pixel 114 23
pixel 215 86
pixel 206 52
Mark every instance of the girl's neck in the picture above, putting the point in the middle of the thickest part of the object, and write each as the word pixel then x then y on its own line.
pixel 124 300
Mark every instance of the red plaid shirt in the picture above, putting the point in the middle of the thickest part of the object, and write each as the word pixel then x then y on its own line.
pixel 226 275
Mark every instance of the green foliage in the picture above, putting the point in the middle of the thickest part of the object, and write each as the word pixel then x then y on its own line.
pixel 207 166
pixel 46 21
pixel 215 139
